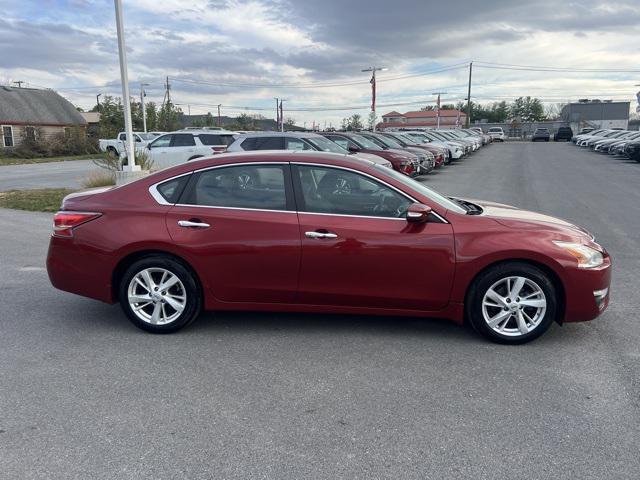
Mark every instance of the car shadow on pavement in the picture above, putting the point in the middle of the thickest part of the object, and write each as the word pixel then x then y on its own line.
pixel 109 319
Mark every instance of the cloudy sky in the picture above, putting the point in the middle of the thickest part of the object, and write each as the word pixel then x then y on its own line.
pixel 311 52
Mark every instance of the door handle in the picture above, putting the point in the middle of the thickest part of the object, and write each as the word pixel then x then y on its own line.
pixel 320 235
pixel 190 224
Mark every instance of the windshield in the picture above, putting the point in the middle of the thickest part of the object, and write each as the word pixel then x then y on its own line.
pixel 422 189
pixel 408 139
pixel 419 137
pixel 326 145
pixel 387 142
pixel 397 139
pixel 494 129
pixel 365 142
pixel 147 136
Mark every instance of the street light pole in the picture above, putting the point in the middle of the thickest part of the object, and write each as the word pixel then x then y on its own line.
pixel 373 71
pixel 98 101
pixel 144 110
pixel 124 79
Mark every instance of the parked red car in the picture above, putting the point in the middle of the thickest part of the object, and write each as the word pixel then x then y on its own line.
pixel 402 161
pixel 318 232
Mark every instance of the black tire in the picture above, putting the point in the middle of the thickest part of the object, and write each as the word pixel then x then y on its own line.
pixel 193 303
pixel 488 278
pixel 194 157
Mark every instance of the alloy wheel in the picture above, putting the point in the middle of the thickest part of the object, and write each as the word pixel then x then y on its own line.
pixel 514 306
pixel 156 296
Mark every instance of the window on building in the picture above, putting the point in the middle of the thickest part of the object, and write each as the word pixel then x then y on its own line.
pixel 30 133
pixel 7 136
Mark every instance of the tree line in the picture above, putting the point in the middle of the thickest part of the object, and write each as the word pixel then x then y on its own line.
pixel 163 118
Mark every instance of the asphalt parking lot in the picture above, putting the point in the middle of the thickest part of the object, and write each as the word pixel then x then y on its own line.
pixel 45 175
pixel 84 394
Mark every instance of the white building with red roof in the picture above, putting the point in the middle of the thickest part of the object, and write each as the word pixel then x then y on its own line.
pixel 423 118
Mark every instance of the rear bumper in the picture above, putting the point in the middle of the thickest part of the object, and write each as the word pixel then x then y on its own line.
pixel 79 271
pixel 587 292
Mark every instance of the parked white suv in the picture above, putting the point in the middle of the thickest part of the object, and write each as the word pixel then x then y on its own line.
pixel 184 145
pixel 497 134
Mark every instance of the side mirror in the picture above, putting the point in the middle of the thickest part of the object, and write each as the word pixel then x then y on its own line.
pixel 353 148
pixel 418 213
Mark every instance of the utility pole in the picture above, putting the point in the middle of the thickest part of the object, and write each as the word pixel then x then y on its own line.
pixel 98 101
pixel 19 83
pixel 466 123
pixel 438 107
pixel 219 119
pixel 277 112
pixel 124 79
pixel 282 114
pixel 373 71
pixel 167 94
pixel 144 110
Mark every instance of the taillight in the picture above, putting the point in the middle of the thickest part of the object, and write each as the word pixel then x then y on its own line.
pixel 65 222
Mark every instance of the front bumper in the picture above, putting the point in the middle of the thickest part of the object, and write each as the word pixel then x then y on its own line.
pixel 587 292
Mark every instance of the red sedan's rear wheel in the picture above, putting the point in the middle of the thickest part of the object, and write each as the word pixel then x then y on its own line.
pixel 512 303
pixel 159 294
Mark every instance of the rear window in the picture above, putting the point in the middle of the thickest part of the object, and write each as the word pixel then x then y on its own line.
pixel 209 139
pixel 172 189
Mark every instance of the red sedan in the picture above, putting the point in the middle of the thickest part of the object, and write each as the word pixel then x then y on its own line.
pixel 317 232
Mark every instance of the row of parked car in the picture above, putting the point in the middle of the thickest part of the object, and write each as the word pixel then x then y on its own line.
pixel 611 141
pixel 411 152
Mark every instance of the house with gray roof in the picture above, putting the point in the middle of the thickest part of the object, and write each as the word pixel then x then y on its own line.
pixel 30 112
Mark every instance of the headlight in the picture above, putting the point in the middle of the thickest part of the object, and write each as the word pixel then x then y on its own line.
pixel 587 257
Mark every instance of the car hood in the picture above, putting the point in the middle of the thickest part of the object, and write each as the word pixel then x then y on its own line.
pixel 371 157
pixel 514 217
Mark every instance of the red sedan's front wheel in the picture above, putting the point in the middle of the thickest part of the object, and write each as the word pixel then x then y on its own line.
pixel 512 303
pixel 159 294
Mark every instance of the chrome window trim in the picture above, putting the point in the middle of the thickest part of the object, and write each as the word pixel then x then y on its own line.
pixel 236 208
pixel 442 219
pixel 352 216
pixel 153 191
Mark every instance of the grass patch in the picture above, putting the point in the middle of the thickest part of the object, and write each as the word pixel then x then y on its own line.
pixel 40 200
pixel 63 158
pixel 99 179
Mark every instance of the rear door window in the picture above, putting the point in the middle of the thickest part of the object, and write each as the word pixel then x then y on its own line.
pixel 243 186
pixel 183 140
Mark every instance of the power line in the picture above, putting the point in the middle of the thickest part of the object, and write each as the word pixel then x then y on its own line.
pixel 320 109
pixel 315 85
pixel 534 68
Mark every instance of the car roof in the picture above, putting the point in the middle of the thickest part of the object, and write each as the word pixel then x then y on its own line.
pixel 280 134
pixel 262 156
pixel 203 131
